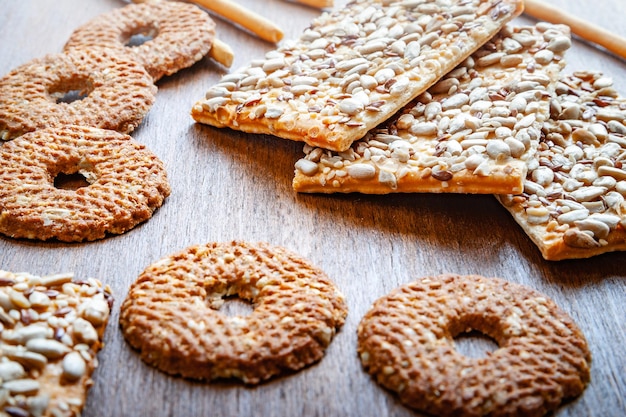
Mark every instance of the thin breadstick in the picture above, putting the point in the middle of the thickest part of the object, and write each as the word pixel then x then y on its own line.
pixel 246 18
pixel 586 30
pixel 221 53
pixel 320 4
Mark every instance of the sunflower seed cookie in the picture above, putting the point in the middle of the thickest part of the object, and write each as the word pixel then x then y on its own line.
pixel 177 34
pixel 472 132
pixel 96 88
pixel 51 329
pixel 352 69
pixel 406 341
pixel 172 312
pixel 124 184
pixel 573 203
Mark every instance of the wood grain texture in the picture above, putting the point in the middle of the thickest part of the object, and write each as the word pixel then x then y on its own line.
pixel 229 185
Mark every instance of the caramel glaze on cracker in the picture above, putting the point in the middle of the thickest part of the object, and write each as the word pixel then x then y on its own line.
pixel 111 91
pixel 177 34
pixel 406 341
pixel 126 183
pixel 171 314
pixel 352 69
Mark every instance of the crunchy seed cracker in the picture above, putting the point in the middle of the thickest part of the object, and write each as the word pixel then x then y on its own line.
pixel 111 91
pixel 171 314
pixel 51 329
pixel 406 340
pixel 472 132
pixel 352 69
pixel 573 202
pixel 178 34
pixel 125 184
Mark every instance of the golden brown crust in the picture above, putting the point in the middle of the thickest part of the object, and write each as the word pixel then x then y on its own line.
pixel 412 182
pixel 181 34
pixel 52 329
pixel 171 314
pixel 307 90
pixel 573 203
pixel 472 132
pixel 406 340
pixel 118 93
pixel 126 184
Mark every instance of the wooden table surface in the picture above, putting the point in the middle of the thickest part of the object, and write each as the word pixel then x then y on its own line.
pixel 228 185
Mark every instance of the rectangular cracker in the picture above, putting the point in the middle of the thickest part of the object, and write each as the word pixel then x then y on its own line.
pixel 573 205
pixel 52 327
pixel 472 132
pixel 352 69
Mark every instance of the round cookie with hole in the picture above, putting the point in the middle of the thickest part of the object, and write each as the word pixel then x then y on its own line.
pixel 407 342
pixel 163 36
pixel 175 315
pixel 76 183
pixel 95 87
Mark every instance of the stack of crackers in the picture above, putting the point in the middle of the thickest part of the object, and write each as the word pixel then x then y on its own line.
pixel 444 97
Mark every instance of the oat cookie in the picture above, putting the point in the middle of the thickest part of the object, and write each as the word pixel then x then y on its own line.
pixel 125 184
pixel 110 92
pixel 352 69
pixel 406 341
pixel 178 34
pixel 172 312
pixel 51 329
pixel 472 132
pixel 573 202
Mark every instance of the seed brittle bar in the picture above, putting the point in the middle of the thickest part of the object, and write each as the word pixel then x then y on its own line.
pixel 352 69
pixel 472 132
pixel 573 204
pixel 51 329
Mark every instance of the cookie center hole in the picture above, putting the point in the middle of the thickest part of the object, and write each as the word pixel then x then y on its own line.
pixel 70 181
pixel 235 306
pixel 140 36
pixel 71 90
pixel 475 344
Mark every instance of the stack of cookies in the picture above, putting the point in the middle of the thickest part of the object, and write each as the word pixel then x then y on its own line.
pixel 69 115
pixel 444 97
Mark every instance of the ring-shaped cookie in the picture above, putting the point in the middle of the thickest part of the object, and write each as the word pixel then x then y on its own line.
pixel 178 34
pixel 97 88
pixel 171 314
pixel 124 184
pixel 406 340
